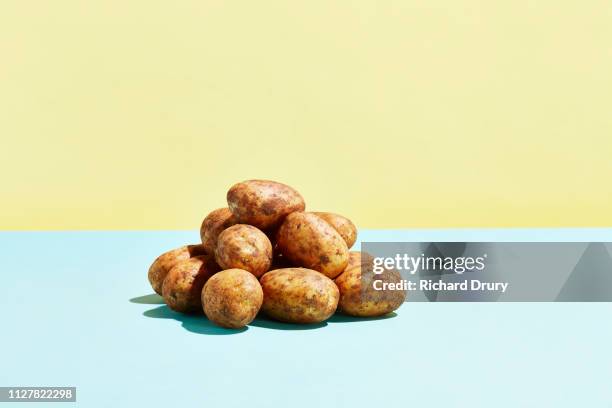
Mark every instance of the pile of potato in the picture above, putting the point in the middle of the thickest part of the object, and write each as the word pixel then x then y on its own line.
pixel 264 252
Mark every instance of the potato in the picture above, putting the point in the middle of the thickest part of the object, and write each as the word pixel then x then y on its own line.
pixel 183 285
pixel 309 241
pixel 298 295
pixel 357 294
pixel 262 203
pixel 232 298
pixel 213 224
pixel 344 226
pixel 359 258
pixel 244 247
pixel 160 267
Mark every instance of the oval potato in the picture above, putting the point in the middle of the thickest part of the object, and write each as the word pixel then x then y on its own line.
pixel 263 203
pixel 344 226
pixel 162 265
pixel 309 241
pixel 232 298
pixel 245 247
pixel 183 285
pixel 213 225
pixel 298 295
pixel 357 294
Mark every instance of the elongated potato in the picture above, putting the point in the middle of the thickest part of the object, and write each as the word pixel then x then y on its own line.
pixel 263 203
pixel 357 294
pixel 344 226
pixel 213 225
pixel 160 267
pixel 309 241
pixel 182 288
pixel 232 298
pixel 298 295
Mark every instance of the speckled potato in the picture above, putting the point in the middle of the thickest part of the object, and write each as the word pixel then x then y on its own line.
pixel 213 225
pixel 344 226
pixel 309 241
pixel 263 203
pixel 244 247
pixel 357 258
pixel 298 295
pixel 232 298
pixel 160 267
pixel 357 294
pixel 183 285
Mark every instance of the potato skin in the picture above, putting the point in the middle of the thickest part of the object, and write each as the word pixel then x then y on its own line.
pixel 263 203
pixel 162 265
pixel 183 285
pixel 245 247
pixel 344 226
pixel 357 258
pixel 298 295
pixel 309 241
pixel 357 295
pixel 213 225
pixel 232 298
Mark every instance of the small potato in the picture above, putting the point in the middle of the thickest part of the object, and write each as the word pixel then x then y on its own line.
pixel 232 298
pixel 213 224
pixel 298 295
pixel 344 226
pixel 263 203
pixel 309 241
pixel 183 285
pixel 357 294
pixel 244 247
pixel 159 269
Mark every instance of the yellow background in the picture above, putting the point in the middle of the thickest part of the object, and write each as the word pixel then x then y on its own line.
pixel 442 113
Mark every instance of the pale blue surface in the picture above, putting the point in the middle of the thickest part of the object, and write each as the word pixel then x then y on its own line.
pixel 68 320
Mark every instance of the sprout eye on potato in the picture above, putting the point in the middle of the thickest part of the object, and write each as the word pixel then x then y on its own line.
pixel 357 294
pixel 244 247
pixel 263 203
pixel 162 265
pixel 299 295
pixel 232 298
pixel 309 241
pixel 183 285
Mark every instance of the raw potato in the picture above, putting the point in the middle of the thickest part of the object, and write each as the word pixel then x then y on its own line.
pixel 263 203
pixel 244 247
pixel 344 226
pixel 298 295
pixel 309 241
pixel 232 298
pixel 213 224
pixel 357 294
pixel 162 265
pixel 183 285
pixel 358 258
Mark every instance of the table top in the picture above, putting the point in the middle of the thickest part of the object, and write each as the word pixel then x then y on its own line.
pixel 78 311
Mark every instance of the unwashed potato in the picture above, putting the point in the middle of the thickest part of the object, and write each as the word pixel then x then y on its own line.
pixel 232 298
pixel 162 265
pixel 183 285
pixel 358 258
pixel 213 224
pixel 344 226
pixel 298 295
pixel 263 203
pixel 357 294
pixel 309 241
pixel 244 247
